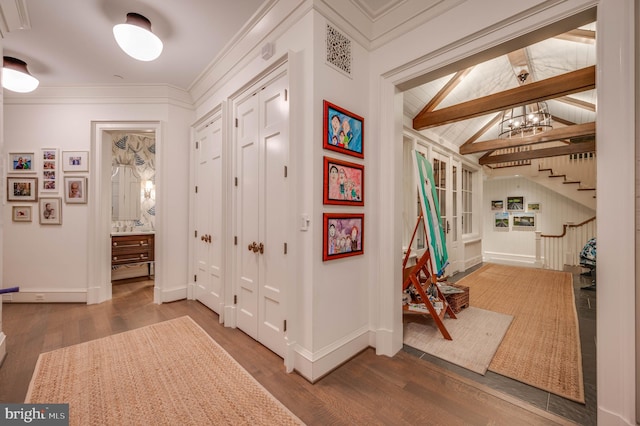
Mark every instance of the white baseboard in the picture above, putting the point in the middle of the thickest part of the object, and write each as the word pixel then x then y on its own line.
pixel 3 347
pixel 509 259
pixel 46 296
pixel 173 294
pixel 313 366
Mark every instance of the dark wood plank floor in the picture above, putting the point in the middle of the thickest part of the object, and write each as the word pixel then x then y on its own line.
pixel 368 389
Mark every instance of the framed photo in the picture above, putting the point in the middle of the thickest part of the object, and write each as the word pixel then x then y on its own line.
pixel 343 130
pixel 50 211
pixel 534 206
pixel 497 205
pixel 49 158
pixel 501 221
pixel 524 221
pixel 343 182
pixel 75 189
pixel 515 204
pixel 343 235
pixel 75 161
pixel 22 162
pixel 22 189
pixel 21 214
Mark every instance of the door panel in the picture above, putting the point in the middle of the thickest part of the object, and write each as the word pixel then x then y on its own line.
pixel 209 215
pixel 274 203
pixel 247 172
pixel 262 199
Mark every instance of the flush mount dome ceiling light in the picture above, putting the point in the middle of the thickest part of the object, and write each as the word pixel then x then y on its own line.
pixel 16 76
pixel 136 39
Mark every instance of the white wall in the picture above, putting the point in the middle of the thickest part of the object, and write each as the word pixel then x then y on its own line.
pixel 52 259
pixel 516 246
pixel 327 300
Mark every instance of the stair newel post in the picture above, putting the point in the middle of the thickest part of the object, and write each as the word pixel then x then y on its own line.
pixel 571 243
pixel 539 249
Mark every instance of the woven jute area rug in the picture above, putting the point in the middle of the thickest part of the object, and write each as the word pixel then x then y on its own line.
pixel 542 346
pixel 169 373
pixel 476 335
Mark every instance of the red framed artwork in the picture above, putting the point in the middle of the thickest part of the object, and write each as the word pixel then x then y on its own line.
pixel 343 130
pixel 343 235
pixel 343 183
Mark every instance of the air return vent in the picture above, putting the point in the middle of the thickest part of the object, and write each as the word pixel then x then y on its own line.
pixel 338 50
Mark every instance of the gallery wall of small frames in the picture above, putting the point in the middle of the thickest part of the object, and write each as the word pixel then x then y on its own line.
pixel 515 214
pixel 343 182
pixel 46 177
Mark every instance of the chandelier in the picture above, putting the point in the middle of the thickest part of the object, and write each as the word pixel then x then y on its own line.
pixel 525 120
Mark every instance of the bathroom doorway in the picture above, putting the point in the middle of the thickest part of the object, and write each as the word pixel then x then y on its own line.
pixel 123 236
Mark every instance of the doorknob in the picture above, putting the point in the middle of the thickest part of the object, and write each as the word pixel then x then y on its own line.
pixel 208 238
pixel 254 247
pixel 261 248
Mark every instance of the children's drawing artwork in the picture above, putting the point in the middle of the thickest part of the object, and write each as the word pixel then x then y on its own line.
pixel 343 131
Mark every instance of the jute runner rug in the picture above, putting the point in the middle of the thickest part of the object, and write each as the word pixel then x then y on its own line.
pixel 170 373
pixel 476 335
pixel 542 346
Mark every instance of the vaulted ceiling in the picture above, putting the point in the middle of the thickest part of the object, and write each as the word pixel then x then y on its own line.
pixel 464 107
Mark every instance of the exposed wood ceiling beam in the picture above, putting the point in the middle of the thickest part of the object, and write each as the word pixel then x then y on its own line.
pixel 565 84
pixel 483 130
pixel 446 89
pixel 576 131
pixel 574 148
pixel 577 103
pixel 562 121
pixel 579 36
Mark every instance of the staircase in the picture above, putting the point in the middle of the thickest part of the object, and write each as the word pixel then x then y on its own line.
pixel 573 176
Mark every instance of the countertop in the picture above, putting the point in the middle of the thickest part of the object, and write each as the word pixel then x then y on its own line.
pixel 118 233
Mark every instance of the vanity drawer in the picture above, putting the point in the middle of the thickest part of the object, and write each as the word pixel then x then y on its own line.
pixel 127 249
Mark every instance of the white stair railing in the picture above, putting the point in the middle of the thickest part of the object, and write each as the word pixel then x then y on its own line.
pixel 564 249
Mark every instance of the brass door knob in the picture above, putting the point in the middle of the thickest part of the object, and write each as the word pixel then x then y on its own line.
pixel 261 248
pixel 253 247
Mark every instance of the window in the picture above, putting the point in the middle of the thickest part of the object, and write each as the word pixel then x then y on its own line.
pixel 467 201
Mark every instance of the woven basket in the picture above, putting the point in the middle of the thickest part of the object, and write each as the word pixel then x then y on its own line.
pixel 458 301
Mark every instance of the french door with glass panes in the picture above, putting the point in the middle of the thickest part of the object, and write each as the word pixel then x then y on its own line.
pixel 446 174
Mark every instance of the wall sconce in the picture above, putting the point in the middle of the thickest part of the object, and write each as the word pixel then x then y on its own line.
pixel 16 76
pixel 136 39
pixel 148 187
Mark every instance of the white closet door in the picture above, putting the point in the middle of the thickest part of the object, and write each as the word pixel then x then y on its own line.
pixel 262 147
pixel 209 256
pixel 274 205
pixel 247 212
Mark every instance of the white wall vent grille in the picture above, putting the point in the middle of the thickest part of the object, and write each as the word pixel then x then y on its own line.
pixel 338 50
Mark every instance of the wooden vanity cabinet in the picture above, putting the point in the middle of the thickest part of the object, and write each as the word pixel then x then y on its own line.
pixel 130 249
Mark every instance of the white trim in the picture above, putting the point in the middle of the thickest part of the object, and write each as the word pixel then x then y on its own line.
pixel 313 366
pixel 3 347
pixel 47 296
pixel 509 259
